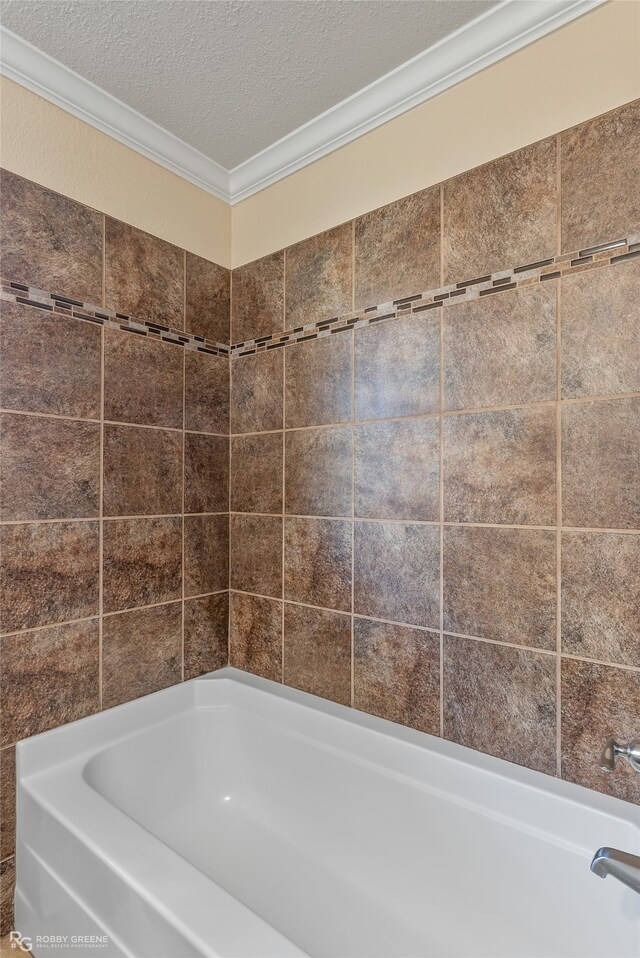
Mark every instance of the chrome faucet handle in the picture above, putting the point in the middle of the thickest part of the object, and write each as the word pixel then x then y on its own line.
pixel 613 751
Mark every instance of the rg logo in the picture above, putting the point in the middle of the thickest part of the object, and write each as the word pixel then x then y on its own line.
pixel 19 941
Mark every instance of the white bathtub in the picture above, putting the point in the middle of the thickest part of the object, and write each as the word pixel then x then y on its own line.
pixel 231 816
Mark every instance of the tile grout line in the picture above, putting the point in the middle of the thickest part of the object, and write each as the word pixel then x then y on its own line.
pixel 282 520
pixel 559 520
pixel 434 414
pixel 441 514
pixel 281 515
pixel 558 194
pixel 152 605
pixel 111 518
pixel 109 422
pixel 184 290
pixel 230 366
pixel 559 462
pixel 507 526
pixel 353 509
pixel 353 265
pixel 536 650
pixel 229 451
pixel 104 261
pixel 94 618
pixel 284 290
pixel 441 467
pixel 505 645
pixel 101 530
pixel 182 521
pixel 17 633
pixel 50 625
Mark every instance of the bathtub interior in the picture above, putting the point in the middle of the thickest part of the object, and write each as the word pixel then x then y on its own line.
pixel 346 855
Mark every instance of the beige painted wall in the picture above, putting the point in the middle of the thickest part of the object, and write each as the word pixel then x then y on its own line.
pixel 45 144
pixel 588 67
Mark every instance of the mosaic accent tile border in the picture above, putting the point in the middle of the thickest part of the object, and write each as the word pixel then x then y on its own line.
pixel 62 305
pixel 605 254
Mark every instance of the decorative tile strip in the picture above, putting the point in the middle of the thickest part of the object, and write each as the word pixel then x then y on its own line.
pixel 529 274
pixel 605 254
pixel 62 305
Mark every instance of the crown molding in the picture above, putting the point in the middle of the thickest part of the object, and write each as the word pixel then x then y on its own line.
pixel 40 73
pixel 502 30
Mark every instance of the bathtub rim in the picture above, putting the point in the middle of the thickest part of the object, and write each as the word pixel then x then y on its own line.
pixel 75 741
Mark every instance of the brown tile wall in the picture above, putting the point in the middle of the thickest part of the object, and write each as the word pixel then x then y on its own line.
pixel 114 469
pixel 436 516
pixel 54 244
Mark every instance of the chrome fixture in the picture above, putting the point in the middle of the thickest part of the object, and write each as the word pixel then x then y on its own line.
pixel 621 865
pixel 612 751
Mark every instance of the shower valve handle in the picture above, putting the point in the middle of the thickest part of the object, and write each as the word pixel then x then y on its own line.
pixel 612 751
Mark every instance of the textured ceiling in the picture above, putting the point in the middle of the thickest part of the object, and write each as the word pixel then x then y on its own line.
pixel 230 77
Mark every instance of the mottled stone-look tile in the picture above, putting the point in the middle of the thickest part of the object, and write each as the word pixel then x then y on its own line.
pixel 49 572
pixel 48 678
pixel 7 801
pixel 257 301
pixel 501 701
pixel 142 471
pixel 601 332
pixel 142 380
pixel 599 703
pixel 256 392
pixel 144 275
pixel 318 381
pixel 397 470
pixel 206 473
pixel 397 368
pixel 255 636
pixel 7 890
pixel 317 652
pixel 501 467
pixel 501 584
pixel 397 674
pixel 206 632
pixel 501 350
pixel 319 277
pixel 397 572
pixel 141 652
pixel 49 241
pixel 600 460
pixel 256 473
pixel 206 393
pixel 318 472
pixel 256 554
pixel 601 596
pixel 48 364
pixel 501 214
pixel 317 562
pixel 599 159
pixel 397 249
pixel 49 469
pixel 206 554
pixel 207 299
pixel 141 562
